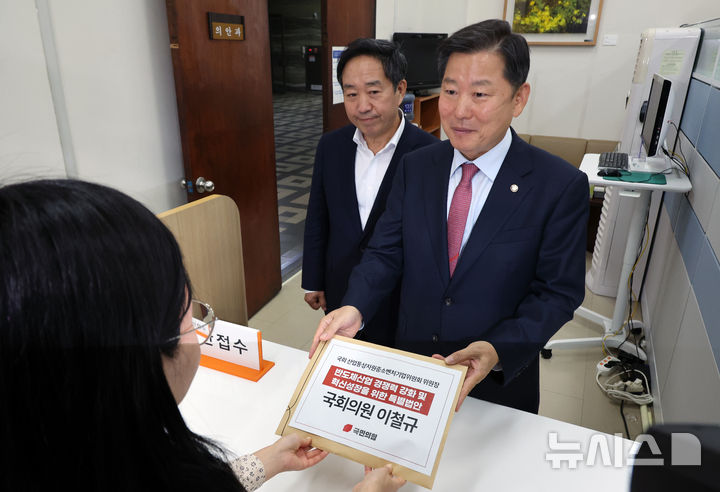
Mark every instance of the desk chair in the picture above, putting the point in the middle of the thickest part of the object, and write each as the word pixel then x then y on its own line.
pixel 208 232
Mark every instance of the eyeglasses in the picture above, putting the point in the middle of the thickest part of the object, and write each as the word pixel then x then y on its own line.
pixel 203 322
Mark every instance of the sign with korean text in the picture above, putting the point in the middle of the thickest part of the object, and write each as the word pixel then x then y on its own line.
pixel 235 349
pixel 336 88
pixel 226 27
pixel 377 405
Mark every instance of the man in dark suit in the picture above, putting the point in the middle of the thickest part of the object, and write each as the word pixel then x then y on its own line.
pixel 354 169
pixel 486 231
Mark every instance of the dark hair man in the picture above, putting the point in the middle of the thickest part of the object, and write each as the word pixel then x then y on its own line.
pixel 353 173
pixel 486 231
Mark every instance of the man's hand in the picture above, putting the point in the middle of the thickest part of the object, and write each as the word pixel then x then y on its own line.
pixel 479 357
pixel 345 321
pixel 379 480
pixel 316 299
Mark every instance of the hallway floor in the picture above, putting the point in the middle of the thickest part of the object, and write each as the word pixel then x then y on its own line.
pixel 298 126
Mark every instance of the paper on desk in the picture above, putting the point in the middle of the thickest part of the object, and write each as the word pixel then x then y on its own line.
pixel 379 402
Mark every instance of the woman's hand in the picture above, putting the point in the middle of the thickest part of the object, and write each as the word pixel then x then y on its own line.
pixel 289 453
pixel 379 480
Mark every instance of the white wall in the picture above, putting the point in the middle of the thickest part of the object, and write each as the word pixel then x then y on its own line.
pixel 29 141
pixel 576 91
pixel 419 16
pixel 114 94
pixel 117 92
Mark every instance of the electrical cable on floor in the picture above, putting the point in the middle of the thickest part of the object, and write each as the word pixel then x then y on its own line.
pixel 639 396
pixel 618 386
pixel 622 414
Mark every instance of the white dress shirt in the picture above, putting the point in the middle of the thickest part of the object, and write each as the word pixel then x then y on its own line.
pixel 489 165
pixel 370 170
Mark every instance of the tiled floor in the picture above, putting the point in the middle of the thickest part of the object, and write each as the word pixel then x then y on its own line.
pixel 568 390
pixel 298 126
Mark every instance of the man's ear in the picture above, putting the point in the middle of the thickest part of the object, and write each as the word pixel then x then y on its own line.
pixel 520 99
pixel 401 88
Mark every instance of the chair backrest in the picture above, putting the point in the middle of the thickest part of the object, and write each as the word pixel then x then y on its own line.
pixel 570 149
pixel 600 146
pixel 208 232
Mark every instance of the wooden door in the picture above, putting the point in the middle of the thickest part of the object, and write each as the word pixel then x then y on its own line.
pixel 342 22
pixel 224 96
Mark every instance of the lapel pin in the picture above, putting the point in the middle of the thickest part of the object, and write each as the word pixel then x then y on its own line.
pixel 514 188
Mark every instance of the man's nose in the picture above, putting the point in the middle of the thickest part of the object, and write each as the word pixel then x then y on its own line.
pixel 364 104
pixel 462 108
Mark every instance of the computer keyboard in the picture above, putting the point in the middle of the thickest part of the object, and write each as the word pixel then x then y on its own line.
pixel 613 160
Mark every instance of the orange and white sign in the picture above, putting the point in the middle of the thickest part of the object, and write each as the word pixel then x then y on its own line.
pixel 236 350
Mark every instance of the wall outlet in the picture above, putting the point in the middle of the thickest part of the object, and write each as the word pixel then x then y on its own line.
pixel 610 40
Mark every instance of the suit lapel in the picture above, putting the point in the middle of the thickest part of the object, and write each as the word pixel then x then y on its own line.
pixel 435 188
pixel 346 178
pixel 501 204
pixel 403 147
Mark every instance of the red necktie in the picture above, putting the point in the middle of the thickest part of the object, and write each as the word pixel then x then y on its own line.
pixel 459 208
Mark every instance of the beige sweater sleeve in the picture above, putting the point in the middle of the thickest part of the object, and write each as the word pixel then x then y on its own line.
pixel 250 471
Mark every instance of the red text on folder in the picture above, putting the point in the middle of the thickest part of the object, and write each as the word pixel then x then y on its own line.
pixel 381 390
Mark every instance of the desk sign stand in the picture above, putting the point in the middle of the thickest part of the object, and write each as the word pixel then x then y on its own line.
pixel 236 350
pixel 376 405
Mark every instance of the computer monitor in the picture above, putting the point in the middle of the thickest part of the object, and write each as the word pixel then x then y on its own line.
pixel 655 125
pixel 420 50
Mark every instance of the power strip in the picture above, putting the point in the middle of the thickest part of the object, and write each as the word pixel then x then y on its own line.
pixel 607 364
pixel 618 386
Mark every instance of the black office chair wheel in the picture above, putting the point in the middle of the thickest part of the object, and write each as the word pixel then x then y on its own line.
pixel 546 353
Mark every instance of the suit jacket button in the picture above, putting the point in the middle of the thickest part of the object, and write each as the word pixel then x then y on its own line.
pixel 448 301
pixel 435 338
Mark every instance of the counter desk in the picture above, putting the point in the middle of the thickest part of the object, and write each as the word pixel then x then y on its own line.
pixel 489 447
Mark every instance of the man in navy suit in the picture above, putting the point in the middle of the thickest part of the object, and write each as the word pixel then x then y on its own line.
pixel 353 173
pixel 486 231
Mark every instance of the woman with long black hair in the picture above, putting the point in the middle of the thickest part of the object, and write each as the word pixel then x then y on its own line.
pixel 97 347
